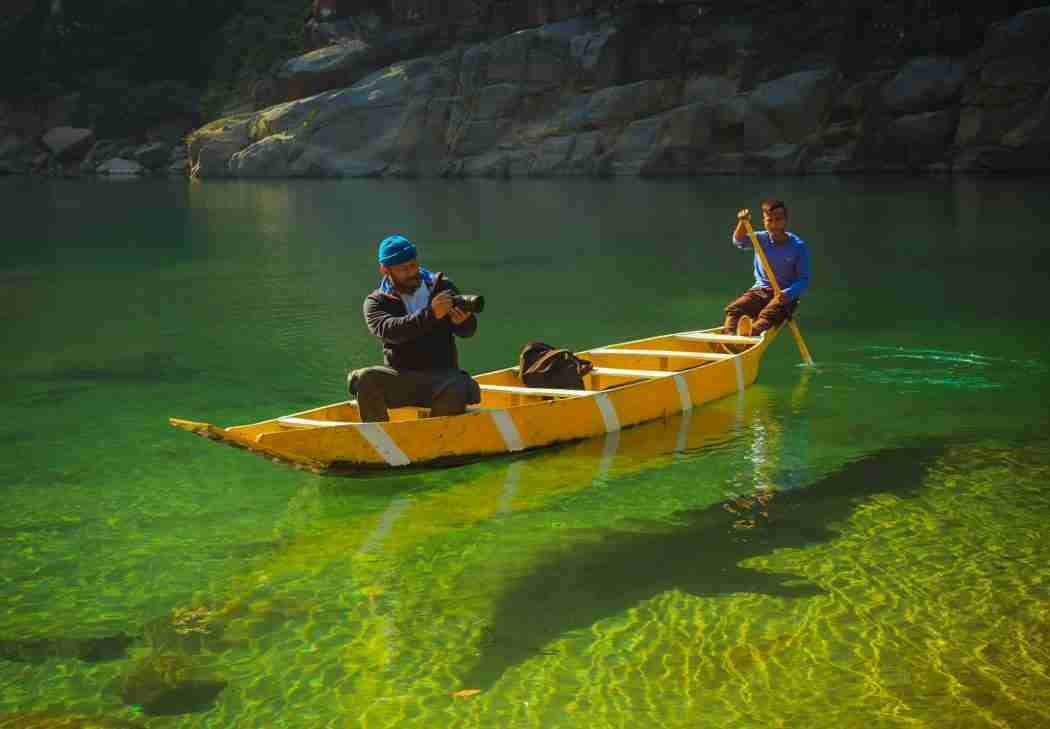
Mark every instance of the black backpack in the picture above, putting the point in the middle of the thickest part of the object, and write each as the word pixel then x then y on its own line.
pixel 541 365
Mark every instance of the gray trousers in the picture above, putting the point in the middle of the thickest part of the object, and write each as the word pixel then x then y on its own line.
pixel 445 392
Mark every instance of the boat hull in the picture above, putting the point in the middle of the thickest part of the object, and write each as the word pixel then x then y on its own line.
pixel 633 382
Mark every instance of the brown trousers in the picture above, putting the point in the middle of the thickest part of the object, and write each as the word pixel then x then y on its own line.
pixel 761 305
pixel 445 391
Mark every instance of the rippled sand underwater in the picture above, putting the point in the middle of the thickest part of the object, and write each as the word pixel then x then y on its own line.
pixel 906 588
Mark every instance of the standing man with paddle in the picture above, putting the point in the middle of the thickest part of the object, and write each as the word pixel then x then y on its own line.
pixel 781 274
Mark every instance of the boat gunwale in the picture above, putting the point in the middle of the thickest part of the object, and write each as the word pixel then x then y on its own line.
pixel 232 435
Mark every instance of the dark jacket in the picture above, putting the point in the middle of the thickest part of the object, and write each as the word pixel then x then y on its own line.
pixel 418 341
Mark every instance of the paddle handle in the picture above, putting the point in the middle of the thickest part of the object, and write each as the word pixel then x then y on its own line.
pixel 802 348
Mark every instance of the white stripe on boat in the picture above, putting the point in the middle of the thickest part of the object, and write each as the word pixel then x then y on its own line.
pixel 683 393
pixel 608 411
pixel 383 444
pixel 507 428
pixel 739 374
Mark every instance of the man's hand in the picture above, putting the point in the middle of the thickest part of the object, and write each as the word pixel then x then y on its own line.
pixel 442 305
pixel 743 215
pixel 457 315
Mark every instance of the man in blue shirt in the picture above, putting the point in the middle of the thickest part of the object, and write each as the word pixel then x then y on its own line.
pixel 760 308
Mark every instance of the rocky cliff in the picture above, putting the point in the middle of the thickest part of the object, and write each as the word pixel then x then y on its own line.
pixel 588 88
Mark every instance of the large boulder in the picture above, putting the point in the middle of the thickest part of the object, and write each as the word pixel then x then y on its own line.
pixel 354 132
pixel 166 685
pixel 120 167
pixel 925 137
pixel 152 155
pixel 342 64
pixel 797 104
pixel 619 106
pixel 68 143
pixel 212 146
pixel 924 84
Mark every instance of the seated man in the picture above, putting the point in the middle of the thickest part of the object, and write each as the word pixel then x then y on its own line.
pixel 788 257
pixel 413 312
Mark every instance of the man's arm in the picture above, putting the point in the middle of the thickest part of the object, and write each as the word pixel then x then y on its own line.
pixel 397 329
pixel 740 237
pixel 801 283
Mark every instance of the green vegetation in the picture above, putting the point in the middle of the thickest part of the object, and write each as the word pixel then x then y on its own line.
pixel 134 63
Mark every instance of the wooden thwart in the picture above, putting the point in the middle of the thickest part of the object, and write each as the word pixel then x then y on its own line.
pixel 711 356
pixel 720 338
pixel 616 372
pixel 538 391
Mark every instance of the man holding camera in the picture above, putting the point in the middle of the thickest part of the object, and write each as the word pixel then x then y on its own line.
pixel 417 314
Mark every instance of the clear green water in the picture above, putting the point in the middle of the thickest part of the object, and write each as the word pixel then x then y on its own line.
pixel 896 578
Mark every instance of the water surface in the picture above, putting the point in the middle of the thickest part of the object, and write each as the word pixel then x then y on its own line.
pixel 855 544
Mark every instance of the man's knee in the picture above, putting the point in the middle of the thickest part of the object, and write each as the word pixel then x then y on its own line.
pixel 456 394
pixel 365 381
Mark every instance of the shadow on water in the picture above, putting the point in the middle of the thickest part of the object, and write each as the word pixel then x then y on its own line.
pixel 700 554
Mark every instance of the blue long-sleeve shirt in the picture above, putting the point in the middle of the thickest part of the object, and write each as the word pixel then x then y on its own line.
pixel 789 261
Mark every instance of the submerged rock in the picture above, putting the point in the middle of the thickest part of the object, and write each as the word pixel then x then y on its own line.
pixel 167 685
pixel 91 650
pixel 51 720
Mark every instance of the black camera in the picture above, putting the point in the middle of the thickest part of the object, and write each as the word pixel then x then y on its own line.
pixel 469 304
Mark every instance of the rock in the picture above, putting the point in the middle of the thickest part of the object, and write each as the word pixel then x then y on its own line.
pixel 153 155
pixel 796 104
pixel 779 159
pixel 212 146
pixel 120 167
pixel 621 105
pixel 738 124
pixel 924 84
pixel 90 650
pixel 477 137
pixel 498 100
pixel 708 90
pixel 923 138
pixel 167 685
pixel 57 720
pixel 658 54
pixel 269 157
pixel 68 143
pixel 636 145
pixel 344 63
pixel 1034 130
pixel 1027 33
pixel 599 56
pixel 988 159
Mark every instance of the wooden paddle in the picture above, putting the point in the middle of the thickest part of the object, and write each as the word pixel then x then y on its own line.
pixel 776 290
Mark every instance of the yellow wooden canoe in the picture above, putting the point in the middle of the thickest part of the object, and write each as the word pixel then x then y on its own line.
pixel 633 382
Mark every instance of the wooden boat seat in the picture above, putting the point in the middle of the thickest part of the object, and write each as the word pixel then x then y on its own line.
pixel 537 391
pixel 718 338
pixel 642 374
pixel 712 356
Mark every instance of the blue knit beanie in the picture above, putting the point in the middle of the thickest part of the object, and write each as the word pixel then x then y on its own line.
pixel 396 249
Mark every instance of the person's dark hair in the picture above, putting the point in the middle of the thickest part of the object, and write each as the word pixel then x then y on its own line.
pixel 771 203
